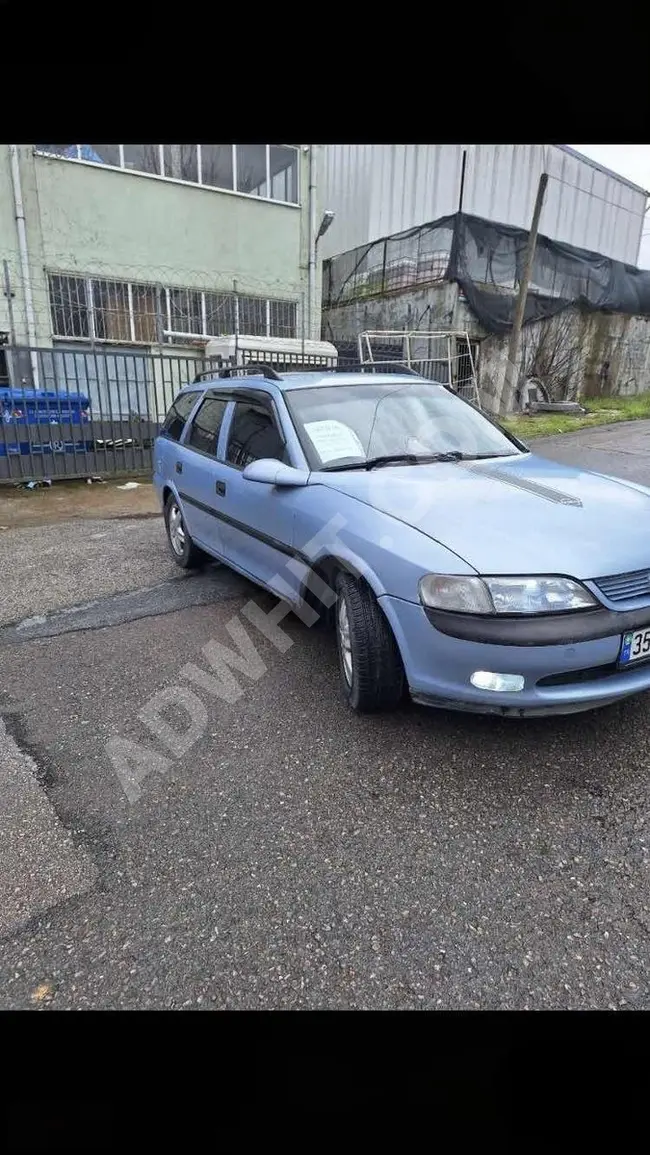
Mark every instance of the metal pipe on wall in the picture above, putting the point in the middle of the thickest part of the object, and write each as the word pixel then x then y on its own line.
pixel 10 306
pixel 24 256
pixel 311 266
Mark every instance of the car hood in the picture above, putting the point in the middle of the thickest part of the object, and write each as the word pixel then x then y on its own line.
pixel 515 515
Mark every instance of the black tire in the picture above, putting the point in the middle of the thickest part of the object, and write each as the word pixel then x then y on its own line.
pixel 189 556
pixel 325 619
pixel 375 680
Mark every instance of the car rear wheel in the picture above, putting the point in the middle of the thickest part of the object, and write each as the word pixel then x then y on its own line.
pixel 372 674
pixel 184 552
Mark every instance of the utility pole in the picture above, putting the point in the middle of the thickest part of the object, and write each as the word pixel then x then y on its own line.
pixel 462 181
pixel 511 373
pixel 455 287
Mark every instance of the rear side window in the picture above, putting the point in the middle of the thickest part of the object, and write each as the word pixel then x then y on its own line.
pixel 178 415
pixel 253 434
pixel 204 433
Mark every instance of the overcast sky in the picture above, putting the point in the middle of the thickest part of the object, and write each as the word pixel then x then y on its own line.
pixel 632 161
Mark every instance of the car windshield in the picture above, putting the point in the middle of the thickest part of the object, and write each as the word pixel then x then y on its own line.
pixel 357 425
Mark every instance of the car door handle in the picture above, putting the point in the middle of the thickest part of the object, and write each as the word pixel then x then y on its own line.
pixel 179 466
pixel 220 487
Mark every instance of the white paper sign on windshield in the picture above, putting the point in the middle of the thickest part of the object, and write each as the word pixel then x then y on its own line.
pixel 333 440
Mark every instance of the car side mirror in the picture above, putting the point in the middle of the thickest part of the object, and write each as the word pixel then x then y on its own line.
pixel 268 471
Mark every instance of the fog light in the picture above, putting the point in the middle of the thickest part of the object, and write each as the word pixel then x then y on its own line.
pixel 485 680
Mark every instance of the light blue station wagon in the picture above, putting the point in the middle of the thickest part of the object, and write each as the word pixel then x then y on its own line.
pixel 455 565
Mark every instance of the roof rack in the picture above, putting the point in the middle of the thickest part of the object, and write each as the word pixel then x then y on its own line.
pixel 231 370
pixel 204 373
pixel 262 367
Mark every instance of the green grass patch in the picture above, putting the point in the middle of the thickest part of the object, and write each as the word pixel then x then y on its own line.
pixel 602 411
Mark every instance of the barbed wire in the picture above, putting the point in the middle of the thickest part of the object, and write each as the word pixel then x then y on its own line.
pixel 167 275
pixel 97 305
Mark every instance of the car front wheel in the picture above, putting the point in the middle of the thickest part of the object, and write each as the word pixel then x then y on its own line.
pixel 372 674
pixel 185 553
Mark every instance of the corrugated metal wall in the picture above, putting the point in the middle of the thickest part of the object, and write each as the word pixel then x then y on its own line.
pixel 378 190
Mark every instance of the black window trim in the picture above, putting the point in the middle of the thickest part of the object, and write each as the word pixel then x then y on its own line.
pixel 265 401
pixel 182 393
pixel 232 393
pixel 189 425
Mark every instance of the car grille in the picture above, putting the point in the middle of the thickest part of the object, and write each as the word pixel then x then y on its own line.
pixel 622 586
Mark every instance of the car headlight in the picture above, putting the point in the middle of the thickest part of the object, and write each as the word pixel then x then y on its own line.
pixel 504 595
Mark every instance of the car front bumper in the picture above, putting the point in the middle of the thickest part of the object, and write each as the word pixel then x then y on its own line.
pixel 574 674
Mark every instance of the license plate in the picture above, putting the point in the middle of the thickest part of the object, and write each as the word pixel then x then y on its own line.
pixel 635 646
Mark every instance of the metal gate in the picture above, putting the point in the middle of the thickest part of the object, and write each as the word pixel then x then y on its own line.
pixel 448 357
pixel 72 412
pixel 68 412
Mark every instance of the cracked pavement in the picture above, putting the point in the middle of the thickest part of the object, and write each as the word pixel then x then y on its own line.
pixel 297 856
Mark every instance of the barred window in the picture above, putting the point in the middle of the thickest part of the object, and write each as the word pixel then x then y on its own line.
pixel 112 315
pixel 185 310
pixel 69 306
pixel 104 309
pixel 219 313
pixel 283 321
pixel 147 314
pixel 252 316
pixel 268 171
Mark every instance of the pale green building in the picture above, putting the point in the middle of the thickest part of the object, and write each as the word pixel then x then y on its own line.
pixel 150 247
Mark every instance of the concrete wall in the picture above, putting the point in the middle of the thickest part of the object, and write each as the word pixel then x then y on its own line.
pixel 576 353
pixel 93 220
pixel 427 308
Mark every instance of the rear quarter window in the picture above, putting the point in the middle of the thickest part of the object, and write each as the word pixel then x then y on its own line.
pixel 204 434
pixel 174 422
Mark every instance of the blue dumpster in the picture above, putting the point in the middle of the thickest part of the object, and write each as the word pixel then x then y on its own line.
pixel 25 407
pixel 42 407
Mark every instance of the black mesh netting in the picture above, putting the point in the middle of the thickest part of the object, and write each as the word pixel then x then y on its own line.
pixel 486 260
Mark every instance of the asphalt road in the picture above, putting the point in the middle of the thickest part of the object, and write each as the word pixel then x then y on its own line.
pixel 294 855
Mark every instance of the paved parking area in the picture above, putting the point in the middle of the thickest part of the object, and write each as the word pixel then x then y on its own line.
pixel 295 855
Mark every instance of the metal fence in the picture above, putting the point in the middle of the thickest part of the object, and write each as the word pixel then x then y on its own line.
pixel 69 412
pixel 486 259
pixel 447 357
pixel 412 259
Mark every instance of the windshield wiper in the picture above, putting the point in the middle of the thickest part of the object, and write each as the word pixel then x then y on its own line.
pixel 410 459
pixel 449 455
pixel 371 462
pixel 397 458
pixel 425 458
